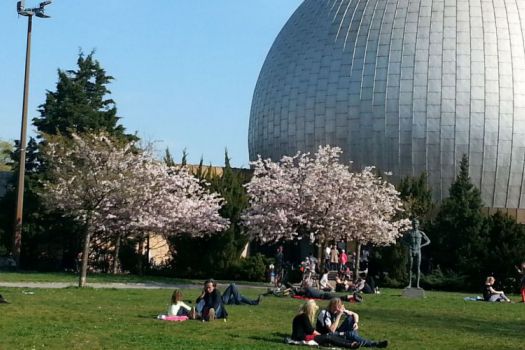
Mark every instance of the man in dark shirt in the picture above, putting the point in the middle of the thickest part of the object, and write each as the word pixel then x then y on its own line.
pixel 209 303
pixel 330 321
pixel 302 330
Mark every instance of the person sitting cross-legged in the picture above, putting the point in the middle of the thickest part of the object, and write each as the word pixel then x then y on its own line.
pixel 330 321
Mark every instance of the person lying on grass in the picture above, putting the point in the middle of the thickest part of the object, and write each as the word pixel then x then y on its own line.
pixel 303 330
pixel 232 296
pixel 492 295
pixel 335 319
pixel 314 293
pixel 209 304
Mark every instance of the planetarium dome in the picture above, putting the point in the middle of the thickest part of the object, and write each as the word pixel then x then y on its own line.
pixel 405 85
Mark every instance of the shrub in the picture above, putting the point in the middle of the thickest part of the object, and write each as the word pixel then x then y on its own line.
pixel 252 268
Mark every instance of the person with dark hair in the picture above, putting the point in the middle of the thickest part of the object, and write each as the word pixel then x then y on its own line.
pixel 209 303
pixel 313 293
pixel 303 329
pixel 490 294
pixel 231 296
pixel 330 321
pixel 361 285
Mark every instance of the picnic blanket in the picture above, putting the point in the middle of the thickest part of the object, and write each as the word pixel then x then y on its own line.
pixel 173 318
pixel 301 297
pixel 290 341
pixel 310 343
pixel 476 298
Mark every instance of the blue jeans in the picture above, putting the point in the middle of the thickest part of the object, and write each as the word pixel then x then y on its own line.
pixel 232 296
pixel 347 329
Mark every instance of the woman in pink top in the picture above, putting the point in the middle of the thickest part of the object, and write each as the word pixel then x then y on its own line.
pixel 343 259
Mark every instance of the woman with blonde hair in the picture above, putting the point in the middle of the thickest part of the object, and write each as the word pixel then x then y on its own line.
pixel 490 294
pixel 303 330
pixel 335 319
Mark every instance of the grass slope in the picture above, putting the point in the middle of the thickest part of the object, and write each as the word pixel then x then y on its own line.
pixel 124 319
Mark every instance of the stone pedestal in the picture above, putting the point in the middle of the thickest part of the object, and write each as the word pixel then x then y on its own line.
pixel 414 293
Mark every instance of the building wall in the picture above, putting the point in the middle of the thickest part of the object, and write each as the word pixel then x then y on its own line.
pixel 405 85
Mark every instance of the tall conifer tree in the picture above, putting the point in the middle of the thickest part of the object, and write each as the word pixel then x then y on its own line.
pixel 457 235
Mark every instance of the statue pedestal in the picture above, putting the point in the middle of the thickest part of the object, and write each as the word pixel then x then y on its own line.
pixel 414 293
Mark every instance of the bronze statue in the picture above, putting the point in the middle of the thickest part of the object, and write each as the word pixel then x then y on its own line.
pixel 415 240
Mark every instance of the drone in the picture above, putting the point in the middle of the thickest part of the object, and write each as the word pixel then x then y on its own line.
pixel 37 11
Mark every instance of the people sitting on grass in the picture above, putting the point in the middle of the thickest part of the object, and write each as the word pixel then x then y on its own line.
pixel 521 270
pixel 335 319
pixel 209 303
pixel 232 296
pixel 303 329
pixel 492 295
pixel 177 307
pixel 323 282
pixel 362 286
pixel 343 283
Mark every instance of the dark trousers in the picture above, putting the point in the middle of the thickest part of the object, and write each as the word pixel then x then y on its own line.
pixel 334 340
pixel 346 329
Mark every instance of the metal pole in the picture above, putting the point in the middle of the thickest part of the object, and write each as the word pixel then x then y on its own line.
pixel 17 236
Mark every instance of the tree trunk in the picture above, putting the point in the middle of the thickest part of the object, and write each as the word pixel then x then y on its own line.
pixel 357 261
pixel 140 265
pixel 116 260
pixel 85 257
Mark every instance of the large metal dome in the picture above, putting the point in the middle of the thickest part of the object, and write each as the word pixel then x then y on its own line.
pixel 406 85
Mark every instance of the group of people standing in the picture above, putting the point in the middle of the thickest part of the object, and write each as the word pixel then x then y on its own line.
pixel 337 260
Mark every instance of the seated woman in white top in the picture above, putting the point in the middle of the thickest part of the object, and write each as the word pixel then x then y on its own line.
pixel 177 306
pixel 323 283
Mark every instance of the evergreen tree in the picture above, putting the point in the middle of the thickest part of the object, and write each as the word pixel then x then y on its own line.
pixel 504 246
pixel 224 249
pixel 457 235
pixel 184 160
pixel 168 159
pixel 80 103
pixel 6 148
pixel 417 196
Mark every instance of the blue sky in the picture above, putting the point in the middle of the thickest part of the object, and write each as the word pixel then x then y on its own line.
pixel 184 70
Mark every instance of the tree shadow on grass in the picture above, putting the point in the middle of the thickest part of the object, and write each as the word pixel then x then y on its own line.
pixel 276 337
pixel 443 322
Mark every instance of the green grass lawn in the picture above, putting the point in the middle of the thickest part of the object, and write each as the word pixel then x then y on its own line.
pixel 6 276
pixel 72 318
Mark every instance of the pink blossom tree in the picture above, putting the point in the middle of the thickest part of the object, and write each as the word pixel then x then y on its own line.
pixel 114 188
pixel 321 198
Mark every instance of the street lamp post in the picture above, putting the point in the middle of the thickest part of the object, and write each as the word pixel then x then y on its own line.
pixel 17 235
